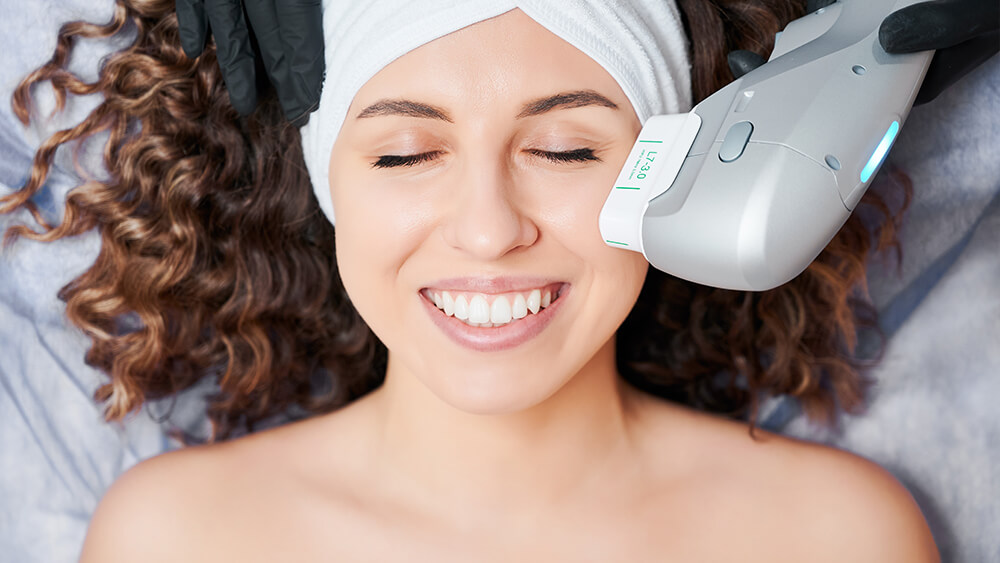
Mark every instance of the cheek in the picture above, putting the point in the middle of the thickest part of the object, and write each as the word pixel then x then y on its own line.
pixel 571 209
pixel 571 215
pixel 376 220
pixel 375 235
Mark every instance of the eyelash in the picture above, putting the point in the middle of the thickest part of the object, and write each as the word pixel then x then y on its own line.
pixel 576 155
pixel 392 160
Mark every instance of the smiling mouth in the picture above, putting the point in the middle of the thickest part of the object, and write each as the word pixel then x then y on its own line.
pixel 484 310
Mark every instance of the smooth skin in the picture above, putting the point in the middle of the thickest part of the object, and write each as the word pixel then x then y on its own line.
pixel 536 453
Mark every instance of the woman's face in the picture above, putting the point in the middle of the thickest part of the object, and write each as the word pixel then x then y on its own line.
pixel 467 181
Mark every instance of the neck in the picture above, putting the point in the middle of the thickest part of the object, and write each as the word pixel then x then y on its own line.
pixel 540 454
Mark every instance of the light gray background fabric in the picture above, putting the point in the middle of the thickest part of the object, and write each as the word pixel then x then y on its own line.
pixel 932 422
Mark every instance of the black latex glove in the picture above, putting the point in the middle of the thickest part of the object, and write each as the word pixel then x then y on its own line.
pixel 287 35
pixel 964 33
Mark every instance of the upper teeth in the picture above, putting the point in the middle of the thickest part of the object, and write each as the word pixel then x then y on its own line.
pixel 483 310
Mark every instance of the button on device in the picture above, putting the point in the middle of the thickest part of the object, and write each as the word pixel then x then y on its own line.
pixel 736 140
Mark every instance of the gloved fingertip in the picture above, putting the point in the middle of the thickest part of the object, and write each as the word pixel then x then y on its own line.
pixel 814 5
pixel 742 61
pixel 190 44
pixel 926 95
pixel 299 120
pixel 192 28
pixel 242 90
pixel 300 97
pixel 297 110
pixel 893 35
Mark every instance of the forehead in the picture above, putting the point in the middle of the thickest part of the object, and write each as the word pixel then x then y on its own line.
pixel 498 62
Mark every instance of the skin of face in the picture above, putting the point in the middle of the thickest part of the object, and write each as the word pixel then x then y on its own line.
pixel 486 203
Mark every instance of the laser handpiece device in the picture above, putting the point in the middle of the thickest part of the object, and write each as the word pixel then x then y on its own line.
pixel 746 189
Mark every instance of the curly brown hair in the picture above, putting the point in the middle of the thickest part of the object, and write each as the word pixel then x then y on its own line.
pixel 217 262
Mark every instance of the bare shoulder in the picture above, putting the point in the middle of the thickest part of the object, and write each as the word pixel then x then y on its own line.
pixel 154 504
pixel 797 500
pixel 246 499
pixel 855 508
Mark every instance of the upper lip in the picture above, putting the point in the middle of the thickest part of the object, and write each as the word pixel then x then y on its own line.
pixel 490 285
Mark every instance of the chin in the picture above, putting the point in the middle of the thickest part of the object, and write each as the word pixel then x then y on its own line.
pixel 496 392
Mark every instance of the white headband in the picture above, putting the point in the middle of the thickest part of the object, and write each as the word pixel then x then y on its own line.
pixel 641 43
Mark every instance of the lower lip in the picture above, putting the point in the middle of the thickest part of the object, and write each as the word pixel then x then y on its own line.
pixel 498 338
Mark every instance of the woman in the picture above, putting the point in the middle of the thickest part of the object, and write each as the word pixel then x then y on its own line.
pixel 466 176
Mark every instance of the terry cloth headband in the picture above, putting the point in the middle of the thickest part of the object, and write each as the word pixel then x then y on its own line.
pixel 641 43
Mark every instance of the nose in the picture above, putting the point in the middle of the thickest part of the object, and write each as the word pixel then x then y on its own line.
pixel 487 220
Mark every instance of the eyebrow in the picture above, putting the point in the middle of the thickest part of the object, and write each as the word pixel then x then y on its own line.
pixel 564 100
pixel 406 108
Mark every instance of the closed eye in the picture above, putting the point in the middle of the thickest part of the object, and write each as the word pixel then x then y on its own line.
pixel 576 155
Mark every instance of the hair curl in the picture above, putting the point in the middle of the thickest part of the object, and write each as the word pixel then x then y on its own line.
pixel 217 262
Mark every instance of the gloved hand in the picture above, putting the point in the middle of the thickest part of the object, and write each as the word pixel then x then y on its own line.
pixel 964 32
pixel 287 35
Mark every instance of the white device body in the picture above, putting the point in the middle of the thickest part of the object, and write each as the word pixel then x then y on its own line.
pixel 748 188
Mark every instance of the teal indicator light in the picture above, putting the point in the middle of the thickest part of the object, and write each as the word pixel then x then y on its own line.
pixel 880 151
